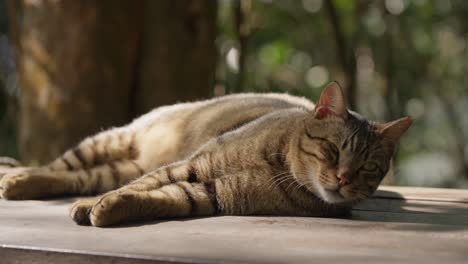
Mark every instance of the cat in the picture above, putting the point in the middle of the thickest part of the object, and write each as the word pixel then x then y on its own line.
pixel 243 154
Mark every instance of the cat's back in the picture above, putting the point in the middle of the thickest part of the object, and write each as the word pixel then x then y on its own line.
pixel 233 111
pixel 220 109
pixel 180 129
pixel 244 107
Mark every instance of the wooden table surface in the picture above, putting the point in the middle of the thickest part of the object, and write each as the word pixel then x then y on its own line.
pixel 398 225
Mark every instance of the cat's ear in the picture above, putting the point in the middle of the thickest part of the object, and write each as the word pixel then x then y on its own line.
pixel 392 131
pixel 332 102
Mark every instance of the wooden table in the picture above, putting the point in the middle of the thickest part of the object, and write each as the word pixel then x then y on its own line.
pixel 398 225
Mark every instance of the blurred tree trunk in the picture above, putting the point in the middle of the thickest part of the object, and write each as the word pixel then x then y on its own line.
pixel 75 61
pixel 88 65
pixel 178 53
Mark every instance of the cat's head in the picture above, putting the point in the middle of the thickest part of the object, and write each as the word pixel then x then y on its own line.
pixel 343 156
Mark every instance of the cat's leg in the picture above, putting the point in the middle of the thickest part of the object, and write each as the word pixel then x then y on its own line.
pixel 83 169
pixel 180 171
pixel 176 172
pixel 181 199
pixel 178 190
pixel 107 146
pixel 43 182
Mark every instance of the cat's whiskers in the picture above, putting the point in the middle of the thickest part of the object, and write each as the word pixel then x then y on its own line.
pixel 278 178
pixel 364 195
pixel 292 184
pixel 305 184
pixel 300 184
pixel 286 178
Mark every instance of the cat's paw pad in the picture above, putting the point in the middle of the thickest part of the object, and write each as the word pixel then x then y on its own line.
pixel 114 207
pixel 80 210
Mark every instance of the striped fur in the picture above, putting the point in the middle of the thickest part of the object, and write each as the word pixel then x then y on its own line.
pixel 262 154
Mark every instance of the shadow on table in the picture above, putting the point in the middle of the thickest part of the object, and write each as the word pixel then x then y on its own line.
pixel 391 207
pixel 62 201
pixel 385 206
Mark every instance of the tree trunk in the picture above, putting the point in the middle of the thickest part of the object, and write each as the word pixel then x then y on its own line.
pixel 75 61
pixel 178 55
pixel 87 65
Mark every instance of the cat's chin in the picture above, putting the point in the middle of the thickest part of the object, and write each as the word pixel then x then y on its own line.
pixel 332 197
pixel 326 195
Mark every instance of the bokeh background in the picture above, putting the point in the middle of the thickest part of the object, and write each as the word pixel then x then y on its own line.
pixel 71 68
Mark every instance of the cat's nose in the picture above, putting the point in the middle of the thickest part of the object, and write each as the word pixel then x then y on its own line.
pixel 344 178
pixel 343 181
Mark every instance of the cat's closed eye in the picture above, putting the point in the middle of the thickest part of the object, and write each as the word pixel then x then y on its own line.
pixel 370 166
pixel 334 153
pixel 330 152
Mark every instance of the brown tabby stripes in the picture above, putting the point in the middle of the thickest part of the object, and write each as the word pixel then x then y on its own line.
pixel 80 156
pixel 115 174
pixel 192 175
pixel 169 175
pixel 67 163
pixel 302 148
pixel 190 197
pixel 210 188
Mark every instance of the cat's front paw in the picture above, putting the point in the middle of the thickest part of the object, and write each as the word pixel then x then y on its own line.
pixel 80 210
pixel 116 207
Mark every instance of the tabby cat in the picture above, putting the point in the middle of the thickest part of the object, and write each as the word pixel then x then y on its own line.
pixel 244 154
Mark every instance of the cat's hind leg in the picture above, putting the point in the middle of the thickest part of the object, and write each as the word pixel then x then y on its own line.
pixel 113 145
pixel 44 183
pixel 98 164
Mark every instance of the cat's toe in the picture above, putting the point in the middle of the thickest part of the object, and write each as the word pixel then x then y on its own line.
pixel 80 210
pixel 16 186
pixel 112 208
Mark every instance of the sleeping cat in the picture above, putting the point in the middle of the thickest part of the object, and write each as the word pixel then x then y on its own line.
pixel 245 154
